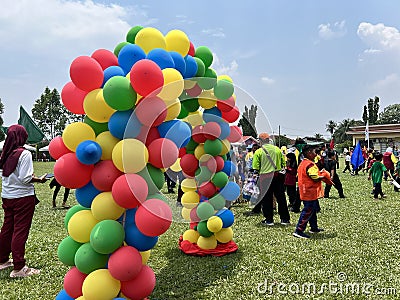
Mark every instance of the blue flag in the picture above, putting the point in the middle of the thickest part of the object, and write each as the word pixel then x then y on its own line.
pixel 357 158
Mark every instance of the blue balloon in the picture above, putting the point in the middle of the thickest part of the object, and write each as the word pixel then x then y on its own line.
pixel 111 72
pixel 179 61
pixel 86 194
pixel 88 152
pixel 225 130
pixel 177 131
pixel 161 57
pixel 128 217
pixel 129 55
pixel 226 216
pixel 231 191
pixel 62 295
pixel 229 168
pixel 191 67
pixel 134 238
pixel 124 124
pixel 212 115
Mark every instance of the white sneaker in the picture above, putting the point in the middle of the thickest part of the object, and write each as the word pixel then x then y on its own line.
pixel 24 272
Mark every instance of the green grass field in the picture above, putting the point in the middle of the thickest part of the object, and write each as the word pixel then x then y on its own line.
pixel 357 257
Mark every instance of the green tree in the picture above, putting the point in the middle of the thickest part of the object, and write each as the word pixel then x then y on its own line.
pixel 365 115
pixel 340 135
pixel 248 121
pixel 283 140
pixel 49 113
pixel 373 110
pixel 331 126
pixel 390 115
pixel 318 136
pixel 2 133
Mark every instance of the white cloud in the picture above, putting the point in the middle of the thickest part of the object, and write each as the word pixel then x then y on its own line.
pixel 214 32
pixel 231 69
pixel 331 31
pixel 267 80
pixel 389 81
pixel 379 37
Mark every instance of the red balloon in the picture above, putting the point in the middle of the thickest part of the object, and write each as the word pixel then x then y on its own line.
pixel 226 105
pixel 72 98
pixel 71 173
pixel 151 111
pixel 146 77
pixel 163 153
pixel 148 134
pixel 129 190
pixel 211 130
pixel 207 189
pixel 73 281
pixel 194 218
pixel 105 58
pixel 220 163
pixel 182 151
pixel 125 263
pixel 194 91
pixel 235 135
pixel 153 217
pixel 192 51
pixel 141 286
pixel 197 134
pixel 232 115
pixel 104 174
pixel 57 148
pixel 86 73
pixel 189 164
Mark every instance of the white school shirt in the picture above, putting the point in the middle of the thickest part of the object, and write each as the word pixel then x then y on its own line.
pixel 348 157
pixel 18 184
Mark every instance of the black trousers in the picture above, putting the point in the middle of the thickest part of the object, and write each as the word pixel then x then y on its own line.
pixel 338 186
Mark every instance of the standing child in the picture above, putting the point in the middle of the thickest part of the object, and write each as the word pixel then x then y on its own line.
pixel 376 173
pixel 347 160
pixel 310 188
pixel 291 177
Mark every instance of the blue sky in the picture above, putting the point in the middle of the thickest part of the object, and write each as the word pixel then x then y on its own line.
pixel 303 62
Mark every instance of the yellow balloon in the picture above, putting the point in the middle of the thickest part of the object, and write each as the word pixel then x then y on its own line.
pixel 225 235
pixel 207 99
pixel 207 242
pixel 105 208
pixel 177 41
pixel 224 77
pixel 214 224
pixel 188 185
pixel 145 256
pixel 130 156
pixel 189 84
pixel 191 236
pixel 176 167
pixel 190 199
pixel 173 84
pixel 226 146
pixel 75 133
pixel 100 285
pixel 149 38
pixel 80 225
pixel 107 143
pixel 80 298
pixel 199 151
pixel 173 109
pixel 96 107
pixel 195 118
pixel 185 213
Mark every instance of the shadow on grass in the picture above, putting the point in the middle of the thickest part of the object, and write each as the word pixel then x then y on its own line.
pixel 186 277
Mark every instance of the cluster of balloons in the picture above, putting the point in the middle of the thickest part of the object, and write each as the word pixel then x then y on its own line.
pixel 153 103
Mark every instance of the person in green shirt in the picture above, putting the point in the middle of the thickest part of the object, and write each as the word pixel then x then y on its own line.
pixel 376 174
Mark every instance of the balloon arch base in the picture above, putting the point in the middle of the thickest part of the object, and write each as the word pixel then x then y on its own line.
pixel 192 249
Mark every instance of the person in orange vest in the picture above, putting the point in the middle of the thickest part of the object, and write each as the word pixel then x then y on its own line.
pixel 310 188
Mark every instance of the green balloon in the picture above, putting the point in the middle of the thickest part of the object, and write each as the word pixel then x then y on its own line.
pixel 213 147
pixel 66 251
pixel 203 230
pixel 154 178
pixel 217 201
pixel 88 260
pixel 157 196
pixel 201 69
pixel 208 81
pixel 183 113
pixel 131 35
pixel 203 174
pixel 74 209
pixel 223 89
pixel 118 48
pixel 119 94
pixel 191 104
pixel 205 210
pixel 191 145
pixel 107 236
pixel 97 127
pixel 220 179
pixel 205 54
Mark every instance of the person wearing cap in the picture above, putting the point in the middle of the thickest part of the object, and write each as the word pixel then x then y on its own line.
pixel 268 160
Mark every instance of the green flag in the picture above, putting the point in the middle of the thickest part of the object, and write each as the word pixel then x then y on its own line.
pixel 35 135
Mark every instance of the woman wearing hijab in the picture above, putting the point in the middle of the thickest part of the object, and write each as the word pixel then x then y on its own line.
pixel 18 197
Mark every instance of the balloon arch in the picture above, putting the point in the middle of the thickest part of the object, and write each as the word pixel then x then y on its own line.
pixel 152 104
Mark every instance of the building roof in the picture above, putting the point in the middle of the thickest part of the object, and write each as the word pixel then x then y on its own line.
pixel 382 128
